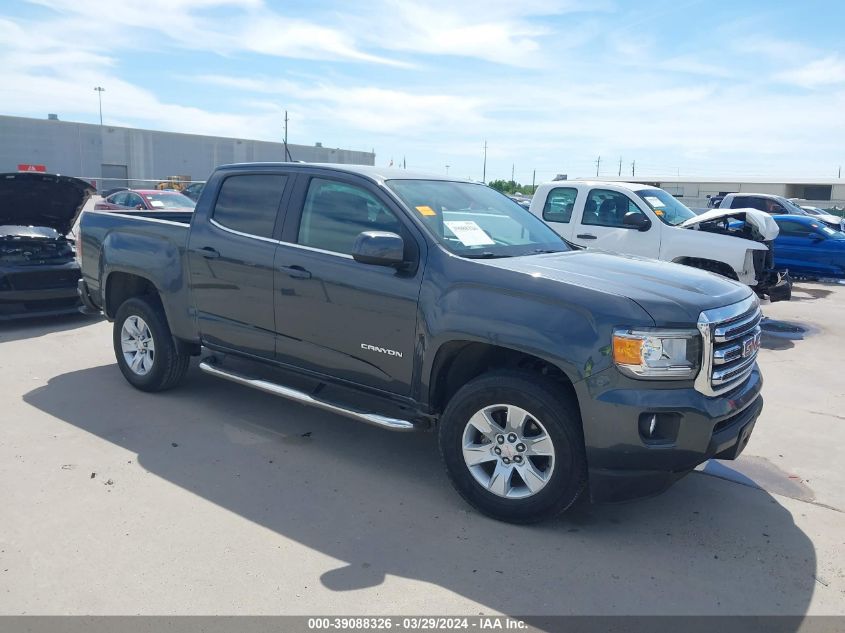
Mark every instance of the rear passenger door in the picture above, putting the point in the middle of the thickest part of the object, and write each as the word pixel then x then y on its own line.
pixel 231 257
pixel 601 225
pixel 337 316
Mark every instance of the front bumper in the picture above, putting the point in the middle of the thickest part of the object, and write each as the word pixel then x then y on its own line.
pixel 624 464
pixel 38 291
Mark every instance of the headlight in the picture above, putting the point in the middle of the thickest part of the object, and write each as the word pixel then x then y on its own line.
pixel 657 354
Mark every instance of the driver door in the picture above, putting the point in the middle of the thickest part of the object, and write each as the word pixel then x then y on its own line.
pixel 337 316
pixel 602 225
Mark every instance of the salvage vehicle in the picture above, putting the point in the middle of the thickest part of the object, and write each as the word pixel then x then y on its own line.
pixel 145 199
pixel 776 205
pixel 635 219
pixel 808 247
pixel 413 301
pixel 38 268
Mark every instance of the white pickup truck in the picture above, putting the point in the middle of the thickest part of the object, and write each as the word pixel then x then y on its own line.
pixel 636 219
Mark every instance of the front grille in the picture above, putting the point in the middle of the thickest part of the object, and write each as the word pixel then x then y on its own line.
pixel 44 280
pixel 731 338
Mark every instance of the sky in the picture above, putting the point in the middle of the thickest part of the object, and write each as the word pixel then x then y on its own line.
pixel 681 87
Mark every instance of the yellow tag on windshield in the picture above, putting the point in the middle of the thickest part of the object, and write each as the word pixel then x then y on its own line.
pixel 658 212
pixel 426 210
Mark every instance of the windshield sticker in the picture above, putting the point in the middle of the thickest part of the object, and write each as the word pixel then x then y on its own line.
pixel 469 233
pixel 655 202
pixel 426 210
pixel 156 203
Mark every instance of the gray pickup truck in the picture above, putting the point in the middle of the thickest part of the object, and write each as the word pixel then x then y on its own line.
pixel 414 301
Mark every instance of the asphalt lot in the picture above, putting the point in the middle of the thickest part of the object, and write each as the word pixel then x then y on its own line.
pixel 215 499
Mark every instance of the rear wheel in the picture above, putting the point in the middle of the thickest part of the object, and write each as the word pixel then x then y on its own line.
pixel 513 446
pixel 144 347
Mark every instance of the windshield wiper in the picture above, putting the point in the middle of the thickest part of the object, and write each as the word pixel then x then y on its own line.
pixel 546 250
pixel 486 255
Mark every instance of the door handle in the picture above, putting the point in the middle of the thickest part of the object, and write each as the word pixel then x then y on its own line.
pixel 586 236
pixel 297 272
pixel 208 252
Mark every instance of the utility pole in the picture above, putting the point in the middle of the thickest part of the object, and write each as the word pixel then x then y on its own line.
pixel 598 165
pixel 840 172
pixel 484 172
pixel 287 152
pixel 533 179
pixel 513 166
pixel 447 170
pixel 620 166
pixel 100 90
pixel 633 168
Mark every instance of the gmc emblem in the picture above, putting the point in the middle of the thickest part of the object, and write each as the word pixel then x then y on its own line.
pixel 751 345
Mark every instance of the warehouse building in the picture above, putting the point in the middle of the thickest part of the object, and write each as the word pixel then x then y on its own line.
pixel 694 192
pixel 120 156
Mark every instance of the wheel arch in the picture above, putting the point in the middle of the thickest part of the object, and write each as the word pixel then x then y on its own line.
pixel 457 362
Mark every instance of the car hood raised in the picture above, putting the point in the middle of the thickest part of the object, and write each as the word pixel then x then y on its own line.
pixel 36 199
pixel 671 293
pixel 761 222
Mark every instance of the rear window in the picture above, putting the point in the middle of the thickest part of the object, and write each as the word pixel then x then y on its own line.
pixel 250 203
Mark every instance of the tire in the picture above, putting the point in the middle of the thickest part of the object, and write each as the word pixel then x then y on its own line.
pixel 550 410
pixel 141 323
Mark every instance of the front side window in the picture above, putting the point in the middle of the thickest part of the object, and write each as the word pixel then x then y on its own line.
pixel 794 229
pixel 335 213
pixel 559 204
pixel 608 208
pixel 665 206
pixel 250 203
pixel 473 220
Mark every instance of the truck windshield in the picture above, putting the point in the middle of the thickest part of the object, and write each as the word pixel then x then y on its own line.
pixel 472 220
pixel 665 206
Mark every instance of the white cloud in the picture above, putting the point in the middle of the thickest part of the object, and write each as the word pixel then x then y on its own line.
pixel 821 73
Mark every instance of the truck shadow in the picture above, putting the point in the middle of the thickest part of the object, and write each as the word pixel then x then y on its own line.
pixel 33 327
pixel 381 503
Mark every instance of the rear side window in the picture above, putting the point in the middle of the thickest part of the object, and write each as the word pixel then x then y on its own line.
pixel 250 203
pixel 559 204
pixel 118 198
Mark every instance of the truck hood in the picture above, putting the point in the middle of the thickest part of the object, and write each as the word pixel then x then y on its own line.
pixel 671 293
pixel 36 199
pixel 763 226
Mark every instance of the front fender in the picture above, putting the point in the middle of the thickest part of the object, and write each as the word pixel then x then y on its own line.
pixel 574 335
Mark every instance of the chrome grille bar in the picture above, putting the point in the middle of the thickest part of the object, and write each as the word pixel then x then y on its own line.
pixel 730 337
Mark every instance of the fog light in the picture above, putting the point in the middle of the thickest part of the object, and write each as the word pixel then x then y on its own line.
pixel 659 428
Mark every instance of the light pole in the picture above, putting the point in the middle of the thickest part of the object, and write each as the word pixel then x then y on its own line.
pixel 100 90
pixel 447 170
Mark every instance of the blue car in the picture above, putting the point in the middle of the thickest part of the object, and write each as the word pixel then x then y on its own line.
pixel 808 247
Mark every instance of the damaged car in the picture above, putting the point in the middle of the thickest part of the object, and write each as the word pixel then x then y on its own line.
pixel 641 219
pixel 38 267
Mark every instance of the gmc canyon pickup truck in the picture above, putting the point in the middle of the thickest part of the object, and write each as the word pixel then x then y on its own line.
pixel 412 301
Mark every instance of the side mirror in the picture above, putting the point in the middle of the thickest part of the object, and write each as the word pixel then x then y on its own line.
pixel 817 237
pixel 140 207
pixel 379 248
pixel 637 221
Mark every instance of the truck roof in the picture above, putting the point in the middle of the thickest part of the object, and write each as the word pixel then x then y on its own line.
pixel 378 174
pixel 631 186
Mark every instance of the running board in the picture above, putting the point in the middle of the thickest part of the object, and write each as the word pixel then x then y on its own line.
pixel 385 422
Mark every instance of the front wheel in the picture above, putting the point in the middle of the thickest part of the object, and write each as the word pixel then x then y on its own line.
pixel 513 446
pixel 144 347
